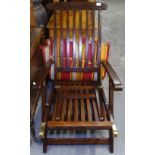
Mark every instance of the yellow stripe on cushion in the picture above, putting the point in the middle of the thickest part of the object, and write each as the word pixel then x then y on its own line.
pixel 104 57
pixel 95 55
pixel 83 56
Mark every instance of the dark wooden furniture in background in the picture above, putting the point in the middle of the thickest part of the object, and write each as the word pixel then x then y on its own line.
pixel 76 105
pixel 38 73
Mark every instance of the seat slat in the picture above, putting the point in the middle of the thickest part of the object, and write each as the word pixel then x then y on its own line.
pixel 58 108
pixel 76 112
pixel 78 83
pixel 82 110
pixel 88 87
pixel 89 110
pixel 79 124
pixel 80 96
pixel 55 106
pixel 100 106
pixel 95 110
pixel 63 113
pixel 69 114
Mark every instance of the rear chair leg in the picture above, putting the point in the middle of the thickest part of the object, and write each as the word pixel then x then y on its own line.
pixel 111 141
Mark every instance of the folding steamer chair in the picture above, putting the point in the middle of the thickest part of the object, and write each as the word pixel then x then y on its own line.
pixel 78 101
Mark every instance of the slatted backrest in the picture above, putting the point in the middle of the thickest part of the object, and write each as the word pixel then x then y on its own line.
pixel 80 29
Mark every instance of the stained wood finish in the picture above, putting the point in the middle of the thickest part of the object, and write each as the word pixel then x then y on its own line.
pixel 76 6
pixel 85 35
pixel 80 105
pixel 117 85
pixel 93 34
pixel 75 141
pixel 71 125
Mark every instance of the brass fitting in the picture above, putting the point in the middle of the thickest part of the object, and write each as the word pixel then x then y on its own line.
pixel 114 130
pixel 42 130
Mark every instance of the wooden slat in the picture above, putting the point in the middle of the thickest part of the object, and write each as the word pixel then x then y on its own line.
pixel 61 39
pixel 79 124
pixel 105 103
pixel 76 110
pixel 75 141
pixel 79 96
pixel 99 39
pixel 100 106
pixel 82 110
pixel 54 47
pixel 93 35
pixel 58 108
pixel 88 87
pixel 55 106
pixel 63 112
pixel 95 110
pixel 67 39
pixel 69 114
pixel 80 38
pixel 89 110
pixel 78 83
pixel 77 6
pixel 86 62
pixel 74 38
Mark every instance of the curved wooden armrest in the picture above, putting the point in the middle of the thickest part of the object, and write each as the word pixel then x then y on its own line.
pixel 39 74
pixel 117 85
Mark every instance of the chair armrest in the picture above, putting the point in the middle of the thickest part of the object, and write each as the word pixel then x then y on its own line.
pixel 117 85
pixel 39 74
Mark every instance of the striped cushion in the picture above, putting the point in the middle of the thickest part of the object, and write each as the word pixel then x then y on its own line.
pixel 47 51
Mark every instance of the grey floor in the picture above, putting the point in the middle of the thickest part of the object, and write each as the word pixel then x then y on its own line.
pixel 113 30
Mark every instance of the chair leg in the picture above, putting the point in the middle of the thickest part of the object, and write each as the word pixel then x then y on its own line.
pixel 45 142
pixel 111 141
pixel 44 146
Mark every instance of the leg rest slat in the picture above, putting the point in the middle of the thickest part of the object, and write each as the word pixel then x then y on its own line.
pixel 75 141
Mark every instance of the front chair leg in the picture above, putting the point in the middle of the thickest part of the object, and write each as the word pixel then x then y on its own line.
pixel 44 146
pixel 111 141
pixel 45 141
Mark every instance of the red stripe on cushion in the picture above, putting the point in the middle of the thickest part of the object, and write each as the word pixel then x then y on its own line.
pixel 88 75
pixel 65 75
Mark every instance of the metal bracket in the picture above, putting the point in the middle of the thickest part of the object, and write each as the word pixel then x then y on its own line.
pixel 42 130
pixel 57 87
pixel 114 130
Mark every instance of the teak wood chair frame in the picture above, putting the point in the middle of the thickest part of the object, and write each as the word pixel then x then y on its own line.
pixel 76 105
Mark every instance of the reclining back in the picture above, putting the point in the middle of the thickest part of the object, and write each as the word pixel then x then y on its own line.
pixel 76 35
